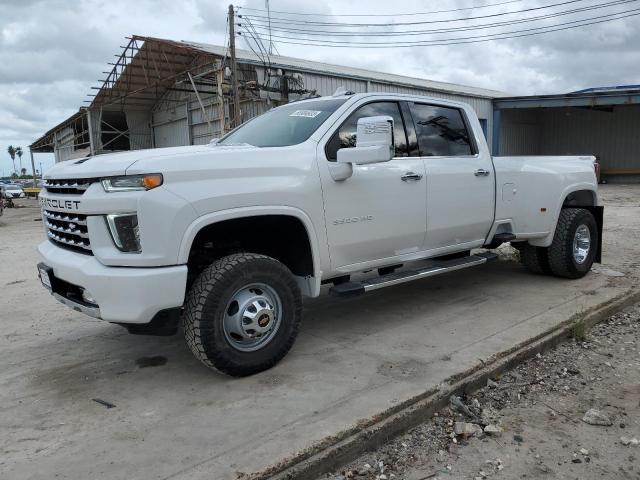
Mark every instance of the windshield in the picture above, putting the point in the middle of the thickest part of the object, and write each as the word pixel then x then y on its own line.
pixel 283 126
pixel 13 187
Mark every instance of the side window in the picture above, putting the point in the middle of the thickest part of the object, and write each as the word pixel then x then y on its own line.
pixel 441 131
pixel 345 136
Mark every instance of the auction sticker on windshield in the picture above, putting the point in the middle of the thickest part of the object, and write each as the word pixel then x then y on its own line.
pixel 305 113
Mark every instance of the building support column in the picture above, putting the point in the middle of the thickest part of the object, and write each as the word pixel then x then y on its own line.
pixel 495 134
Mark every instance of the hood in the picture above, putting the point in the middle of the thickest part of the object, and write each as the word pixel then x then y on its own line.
pixel 113 164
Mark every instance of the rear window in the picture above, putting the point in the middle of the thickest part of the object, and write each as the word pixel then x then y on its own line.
pixel 284 126
pixel 441 131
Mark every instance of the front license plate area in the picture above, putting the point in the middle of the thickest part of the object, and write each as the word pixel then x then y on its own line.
pixel 45 273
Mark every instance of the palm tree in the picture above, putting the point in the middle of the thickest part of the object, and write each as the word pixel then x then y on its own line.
pixel 12 154
pixel 23 171
pixel 19 153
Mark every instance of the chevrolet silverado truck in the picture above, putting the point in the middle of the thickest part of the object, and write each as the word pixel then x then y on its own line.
pixel 227 238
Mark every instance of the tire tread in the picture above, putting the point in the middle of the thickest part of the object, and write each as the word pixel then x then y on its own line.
pixel 211 278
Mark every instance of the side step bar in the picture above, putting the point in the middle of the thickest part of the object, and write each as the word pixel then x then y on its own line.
pixel 351 288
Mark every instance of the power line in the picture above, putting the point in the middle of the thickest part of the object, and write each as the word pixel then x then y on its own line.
pixel 428 42
pixel 298 31
pixel 481 39
pixel 475 7
pixel 289 21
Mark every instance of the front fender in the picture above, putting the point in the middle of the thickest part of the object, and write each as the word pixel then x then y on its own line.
pixel 243 212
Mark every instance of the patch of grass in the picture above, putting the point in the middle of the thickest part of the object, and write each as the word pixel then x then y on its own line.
pixel 579 331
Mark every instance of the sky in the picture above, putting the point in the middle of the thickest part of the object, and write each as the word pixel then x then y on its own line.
pixel 53 51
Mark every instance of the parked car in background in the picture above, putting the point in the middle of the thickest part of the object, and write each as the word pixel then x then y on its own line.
pixel 11 190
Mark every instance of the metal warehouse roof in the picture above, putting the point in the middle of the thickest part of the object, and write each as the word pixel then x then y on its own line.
pixel 590 97
pixel 280 61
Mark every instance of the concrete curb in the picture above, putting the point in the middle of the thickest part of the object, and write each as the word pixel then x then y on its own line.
pixel 342 448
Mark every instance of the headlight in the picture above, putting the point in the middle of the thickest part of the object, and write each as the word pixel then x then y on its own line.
pixel 129 183
pixel 125 231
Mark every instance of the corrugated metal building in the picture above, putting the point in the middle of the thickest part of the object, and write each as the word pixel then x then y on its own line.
pixel 604 122
pixel 164 93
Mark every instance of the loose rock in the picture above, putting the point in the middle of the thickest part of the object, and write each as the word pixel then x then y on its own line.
pixel 492 430
pixel 466 429
pixel 626 441
pixel 596 417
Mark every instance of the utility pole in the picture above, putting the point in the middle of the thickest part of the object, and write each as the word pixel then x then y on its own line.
pixel 235 119
pixel 269 16
pixel 33 169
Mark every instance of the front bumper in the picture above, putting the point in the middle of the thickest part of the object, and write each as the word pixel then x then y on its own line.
pixel 123 294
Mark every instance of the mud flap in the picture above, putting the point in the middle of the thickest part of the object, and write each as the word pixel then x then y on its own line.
pixel 598 213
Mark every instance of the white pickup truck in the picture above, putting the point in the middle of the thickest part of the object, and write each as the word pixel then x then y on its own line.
pixel 227 238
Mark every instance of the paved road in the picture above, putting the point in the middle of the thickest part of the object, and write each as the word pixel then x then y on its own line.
pixel 354 358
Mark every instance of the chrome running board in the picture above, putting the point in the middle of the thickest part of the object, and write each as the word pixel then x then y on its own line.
pixel 395 278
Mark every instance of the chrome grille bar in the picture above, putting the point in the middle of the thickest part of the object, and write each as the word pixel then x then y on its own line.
pixel 67 230
pixel 64 218
pixel 79 233
pixel 71 186
pixel 73 243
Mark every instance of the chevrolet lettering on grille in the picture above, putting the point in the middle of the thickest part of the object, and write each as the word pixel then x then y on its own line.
pixel 57 203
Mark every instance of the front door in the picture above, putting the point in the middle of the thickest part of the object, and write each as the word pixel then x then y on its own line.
pixel 459 174
pixel 379 212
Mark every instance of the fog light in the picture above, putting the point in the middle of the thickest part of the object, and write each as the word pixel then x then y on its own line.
pixel 86 296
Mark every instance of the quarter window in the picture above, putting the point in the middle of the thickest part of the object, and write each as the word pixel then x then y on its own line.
pixel 441 131
pixel 345 136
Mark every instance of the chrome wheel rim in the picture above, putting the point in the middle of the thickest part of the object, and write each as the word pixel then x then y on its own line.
pixel 581 244
pixel 252 317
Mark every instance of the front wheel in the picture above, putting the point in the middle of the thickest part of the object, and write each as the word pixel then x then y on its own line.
pixel 243 314
pixel 574 245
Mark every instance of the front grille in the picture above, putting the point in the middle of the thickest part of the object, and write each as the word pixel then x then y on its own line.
pixel 75 186
pixel 68 231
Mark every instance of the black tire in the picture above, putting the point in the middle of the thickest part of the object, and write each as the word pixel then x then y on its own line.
pixel 561 258
pixel 207 303
pixel 535 259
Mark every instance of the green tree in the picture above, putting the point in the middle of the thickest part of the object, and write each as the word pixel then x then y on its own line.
pixel 19 152
pixel 12 154
pixel 23 171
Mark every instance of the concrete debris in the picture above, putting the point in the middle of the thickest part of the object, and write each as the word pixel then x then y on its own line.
pixel 457 404
pixel 466 429
pixel 597 417
pixel 492 429
pixel 626 441
pixel 584 451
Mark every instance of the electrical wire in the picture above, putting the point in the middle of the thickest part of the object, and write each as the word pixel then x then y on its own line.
pixel 480 39
pixel 476 7
pixel 324 33
pixel 289 21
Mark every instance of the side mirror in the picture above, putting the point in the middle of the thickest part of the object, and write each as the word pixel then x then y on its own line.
pixel 374 142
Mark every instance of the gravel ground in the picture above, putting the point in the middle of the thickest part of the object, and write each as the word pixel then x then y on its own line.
pixel 543 414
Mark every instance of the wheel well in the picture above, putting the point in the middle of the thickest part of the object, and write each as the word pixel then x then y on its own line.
pixel 281 237
pixel 580 198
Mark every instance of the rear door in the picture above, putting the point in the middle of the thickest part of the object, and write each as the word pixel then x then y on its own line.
pixel 459 174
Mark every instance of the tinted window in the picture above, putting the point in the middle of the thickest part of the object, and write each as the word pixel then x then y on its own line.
pixel 283 126
pixel 441 131
pixel 345 136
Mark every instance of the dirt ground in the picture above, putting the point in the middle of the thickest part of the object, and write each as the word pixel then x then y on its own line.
pixel 540 408
pixel 355 358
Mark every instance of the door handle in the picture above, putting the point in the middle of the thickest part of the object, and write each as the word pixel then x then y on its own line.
pixel 411 176
pixel 481 172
